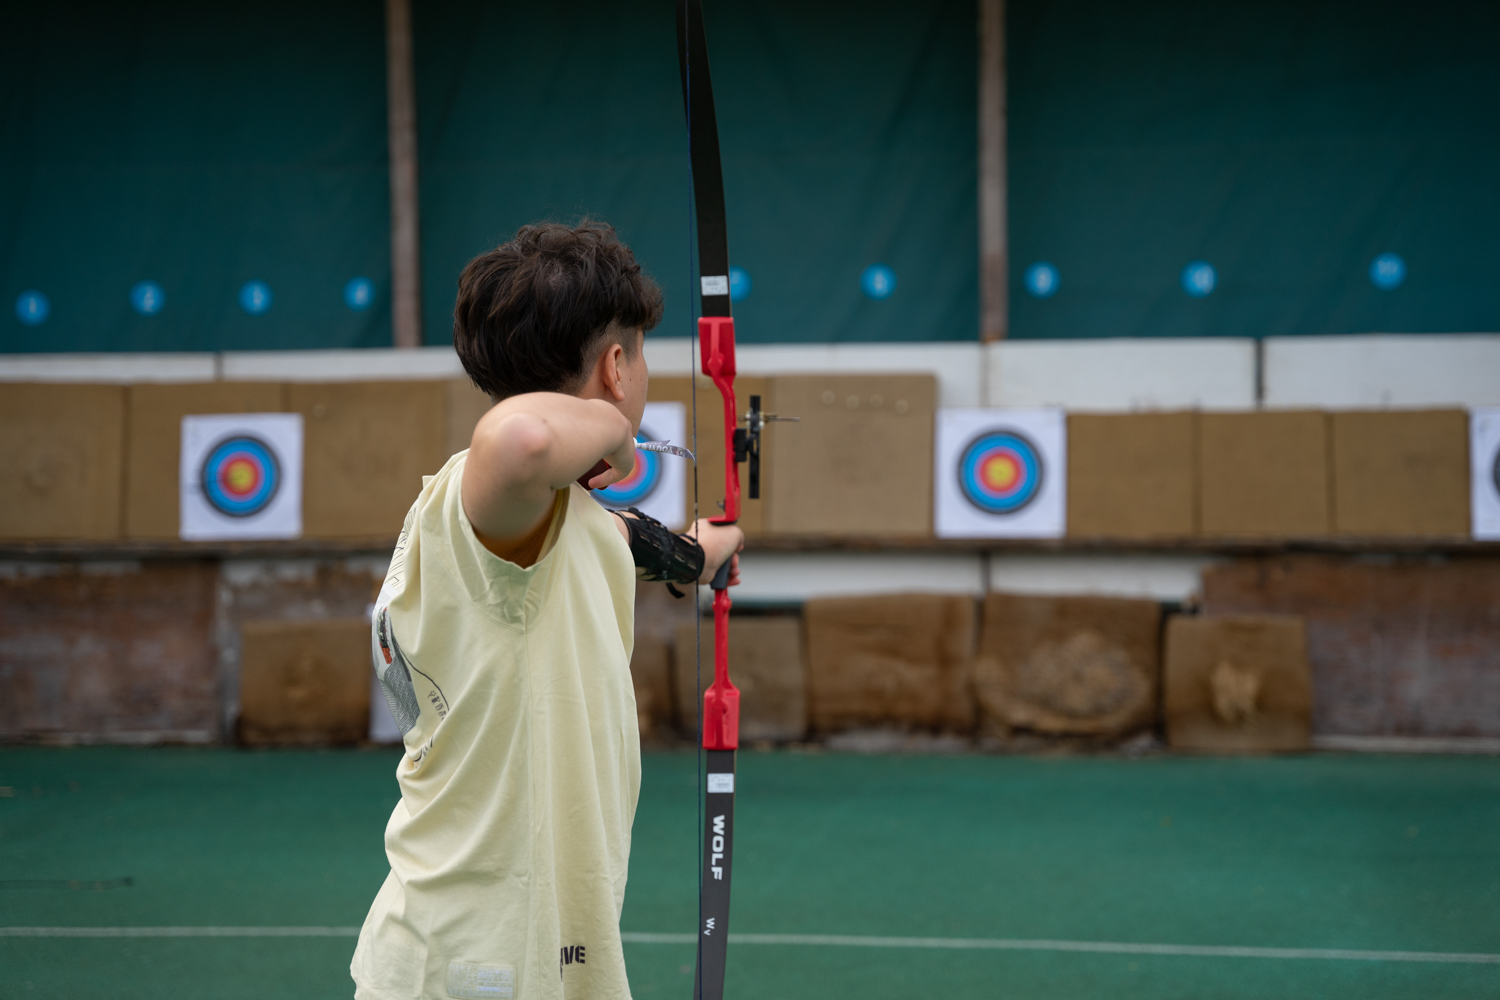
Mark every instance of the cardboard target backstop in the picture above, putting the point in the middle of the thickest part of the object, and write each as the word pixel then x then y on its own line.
pixel 100 462
pixel 61 461
pixel 154 441
pixel 1132 476
pixel 858 461
pixel 466 403
pixel 1400 473
pixel 1263 475
pixel 1237 683
pixel 368 445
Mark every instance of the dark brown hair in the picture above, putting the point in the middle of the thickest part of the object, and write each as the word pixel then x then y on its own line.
pixel 531 312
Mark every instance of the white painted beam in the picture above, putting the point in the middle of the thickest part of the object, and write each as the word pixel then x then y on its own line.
pixel 955 364
pixel 375 364
pixel 112 368
pixel 1124 374
pixel 1382 370
pixel 1157 577
pixel 785 577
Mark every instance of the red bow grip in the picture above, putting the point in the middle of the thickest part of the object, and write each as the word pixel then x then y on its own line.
pixel 721 702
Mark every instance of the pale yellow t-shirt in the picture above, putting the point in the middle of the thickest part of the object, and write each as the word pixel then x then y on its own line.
pixel 509 846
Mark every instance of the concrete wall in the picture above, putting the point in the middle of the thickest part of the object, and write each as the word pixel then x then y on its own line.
pixel 148 651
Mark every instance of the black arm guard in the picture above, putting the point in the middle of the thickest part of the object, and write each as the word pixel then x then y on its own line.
pixel 663 555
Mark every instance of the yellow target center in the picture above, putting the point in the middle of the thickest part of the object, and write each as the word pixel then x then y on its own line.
pixel 240 476
pixel 1000 473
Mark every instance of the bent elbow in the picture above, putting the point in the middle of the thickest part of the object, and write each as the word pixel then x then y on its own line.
pixel 517 446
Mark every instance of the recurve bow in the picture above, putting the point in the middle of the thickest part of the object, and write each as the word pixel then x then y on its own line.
pixel 721 702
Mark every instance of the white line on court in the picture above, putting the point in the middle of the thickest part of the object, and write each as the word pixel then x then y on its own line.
pixel 834 941
pixel 176 932
pixel 1105 947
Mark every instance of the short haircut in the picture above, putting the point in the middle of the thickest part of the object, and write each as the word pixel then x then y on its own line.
pixel 531 313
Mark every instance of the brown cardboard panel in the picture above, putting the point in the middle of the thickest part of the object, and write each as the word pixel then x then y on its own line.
pixel 651 677
pixel 153 449
pixel 897 660
pixel 710 448
pixel 367 447
pixel 1132 475
pixel 765 663
pixel 112 652
pixel 1237 684
pixel 1401 473
pixel 466 404
pixel 61 459
pixel 1399 646
pixel 305 681
pixel 657 617
pixel 1263 475
pixel 1069 665
pixel 860 460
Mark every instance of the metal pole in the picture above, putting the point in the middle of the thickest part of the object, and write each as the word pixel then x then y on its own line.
pixel 406 251
pixel 994 250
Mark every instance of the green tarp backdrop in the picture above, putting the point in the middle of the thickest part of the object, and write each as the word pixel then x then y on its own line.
pixel 847 131
pixel 1287 143
pixel 205 146
pixel 201 147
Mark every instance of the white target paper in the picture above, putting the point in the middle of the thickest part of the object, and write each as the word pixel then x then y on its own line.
pixel 1484 471
pixel 241 476
pixel 657 484
pixel 1001 473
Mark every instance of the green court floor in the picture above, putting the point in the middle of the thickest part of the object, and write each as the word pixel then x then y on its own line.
pixel 1371 854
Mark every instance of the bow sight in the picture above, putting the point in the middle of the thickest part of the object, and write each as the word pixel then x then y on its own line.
pixel 747 440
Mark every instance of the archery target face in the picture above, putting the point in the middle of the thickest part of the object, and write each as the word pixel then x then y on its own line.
pixel 241 476
pixel 1000 473
pixel 1484 471
pixel 657 484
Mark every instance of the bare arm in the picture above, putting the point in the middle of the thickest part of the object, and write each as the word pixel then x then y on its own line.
pixel 528 447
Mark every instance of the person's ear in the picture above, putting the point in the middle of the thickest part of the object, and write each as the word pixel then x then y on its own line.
pixel 614 381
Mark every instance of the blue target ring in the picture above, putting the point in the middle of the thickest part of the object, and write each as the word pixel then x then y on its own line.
pixel 241 476
pixel 641 482
pixel 1000 472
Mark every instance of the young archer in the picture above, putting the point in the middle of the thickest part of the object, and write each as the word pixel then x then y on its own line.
pixel 502 638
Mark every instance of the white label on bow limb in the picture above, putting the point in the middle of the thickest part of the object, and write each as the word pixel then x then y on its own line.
pixel 715 284
pixel 718 783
